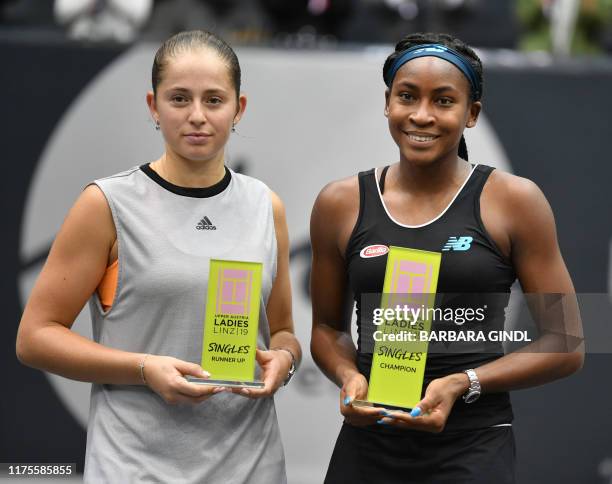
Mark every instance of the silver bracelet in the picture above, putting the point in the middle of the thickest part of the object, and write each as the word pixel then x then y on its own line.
pixel 282 348
pixel 141 366
pixel 293 368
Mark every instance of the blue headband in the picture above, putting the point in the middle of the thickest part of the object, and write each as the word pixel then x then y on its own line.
pixel 443 52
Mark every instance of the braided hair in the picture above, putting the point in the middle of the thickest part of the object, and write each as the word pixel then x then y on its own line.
pixel 449 41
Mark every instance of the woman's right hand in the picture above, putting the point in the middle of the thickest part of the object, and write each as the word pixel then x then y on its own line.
pixel 165 375
pixel 356 388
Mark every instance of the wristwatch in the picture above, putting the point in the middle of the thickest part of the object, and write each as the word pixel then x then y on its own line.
pixel 473 391
pixel 293 368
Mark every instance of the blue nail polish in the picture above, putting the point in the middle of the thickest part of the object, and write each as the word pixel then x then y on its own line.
pixel 381 422
pixel 416 411
pixel 385 413
pixel 347 400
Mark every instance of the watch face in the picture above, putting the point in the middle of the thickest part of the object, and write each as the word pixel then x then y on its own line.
pixel 471 397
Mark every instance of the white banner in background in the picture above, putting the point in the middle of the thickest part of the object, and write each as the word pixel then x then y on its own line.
pixel 312 117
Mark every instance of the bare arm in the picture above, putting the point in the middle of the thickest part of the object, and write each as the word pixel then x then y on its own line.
pixel 279 307
pixel 331 346
pixel 76 264
pixel 541 271
pixel 333 218
pixel 536 257
pixel 277 362
pixel 74 268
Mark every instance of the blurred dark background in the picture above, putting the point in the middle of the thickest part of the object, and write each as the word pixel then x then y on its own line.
pixel 509 24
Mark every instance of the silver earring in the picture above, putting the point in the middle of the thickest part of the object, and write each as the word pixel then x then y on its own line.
pixel 157 125
pixel 233 127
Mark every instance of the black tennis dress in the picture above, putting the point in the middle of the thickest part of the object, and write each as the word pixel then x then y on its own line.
pixel 477 445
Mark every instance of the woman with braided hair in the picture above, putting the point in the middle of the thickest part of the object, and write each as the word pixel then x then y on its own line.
pixel 431 195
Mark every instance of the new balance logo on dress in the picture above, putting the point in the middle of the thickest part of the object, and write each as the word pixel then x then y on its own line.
pixel 205 224
pixel 458 243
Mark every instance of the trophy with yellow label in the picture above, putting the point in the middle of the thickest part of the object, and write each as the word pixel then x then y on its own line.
pixel 231 324
pixel 400 351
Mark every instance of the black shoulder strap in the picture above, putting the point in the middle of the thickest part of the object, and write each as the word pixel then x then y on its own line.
pixel 381 183
pixel 483 172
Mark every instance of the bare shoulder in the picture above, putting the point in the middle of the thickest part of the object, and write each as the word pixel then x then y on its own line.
pixel 89 218
pixel 278 207
pixel 521 203
pixel 92 198
pixel 334 214
pixel 339 196
pixel 276 200
pixel 513 189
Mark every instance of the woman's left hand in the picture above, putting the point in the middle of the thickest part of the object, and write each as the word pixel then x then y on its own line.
pixel 431 413
pixel 275 365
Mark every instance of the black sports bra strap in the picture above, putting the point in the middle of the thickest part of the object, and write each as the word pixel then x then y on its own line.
pixel 484 171
pixel 381 183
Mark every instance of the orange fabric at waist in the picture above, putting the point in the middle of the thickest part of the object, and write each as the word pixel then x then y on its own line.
pixel 108 285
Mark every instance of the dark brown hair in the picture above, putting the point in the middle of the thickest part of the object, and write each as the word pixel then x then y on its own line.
pixel 190 40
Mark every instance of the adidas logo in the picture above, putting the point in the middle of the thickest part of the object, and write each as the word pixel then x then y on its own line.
pixel 205 224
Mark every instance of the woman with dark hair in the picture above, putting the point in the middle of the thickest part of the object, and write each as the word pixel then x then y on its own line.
pixel 490 228
pixel 138 245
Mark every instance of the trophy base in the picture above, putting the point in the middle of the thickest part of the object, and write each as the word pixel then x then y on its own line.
pixel 366 403
pixel 225 383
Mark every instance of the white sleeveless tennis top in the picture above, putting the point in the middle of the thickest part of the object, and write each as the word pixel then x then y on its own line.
pixel 166 237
